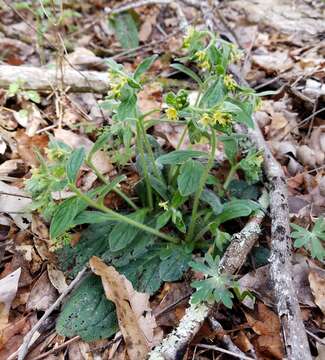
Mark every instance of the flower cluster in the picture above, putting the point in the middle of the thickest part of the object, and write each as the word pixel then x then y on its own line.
pixel 218 117
pixel 230 82
pixel 117 81
pixel 171 113
pixel 202 60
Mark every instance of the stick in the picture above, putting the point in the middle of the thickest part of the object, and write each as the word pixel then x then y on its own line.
pixel 217 348
pixel 25 346
pixel 294 333
pixel 175 344
pixel 42 79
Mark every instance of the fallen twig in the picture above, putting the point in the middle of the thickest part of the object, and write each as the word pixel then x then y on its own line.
pixel 294 334
pixel 27 340
pixel 217 348
pixel 175 344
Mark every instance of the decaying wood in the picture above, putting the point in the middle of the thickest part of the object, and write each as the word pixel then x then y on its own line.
pixel 294 333
pixel 176 343
pixel 42 79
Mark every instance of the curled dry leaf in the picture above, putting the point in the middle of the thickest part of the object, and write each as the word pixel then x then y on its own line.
pixel 317 285
pixel 307 156
pixel 137 324
pixel 266 324
pixel 8 290
pixel 42 295
pixel 57 278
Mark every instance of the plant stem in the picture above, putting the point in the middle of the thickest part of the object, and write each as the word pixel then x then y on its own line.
pixel 201 186
pixel 144 166
pixel 149 149
pixel 122 218
pixel 106 182
pixel 231 174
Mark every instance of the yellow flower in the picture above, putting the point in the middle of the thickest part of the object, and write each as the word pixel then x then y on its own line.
pixel 172 113
pixel 202 60
pixel 221 118
pixel 230 82
pixel 164 205
pixel 206 120
pixel 117 87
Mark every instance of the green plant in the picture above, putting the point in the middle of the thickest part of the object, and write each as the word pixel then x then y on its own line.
pixel 179 206
pixel 311 240
pixel 215 288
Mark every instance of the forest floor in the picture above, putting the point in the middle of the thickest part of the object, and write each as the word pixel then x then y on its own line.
pixel 59 97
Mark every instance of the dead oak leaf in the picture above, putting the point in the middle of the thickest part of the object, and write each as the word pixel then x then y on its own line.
pixel 266 324
pixel 317 285
pixel 137 324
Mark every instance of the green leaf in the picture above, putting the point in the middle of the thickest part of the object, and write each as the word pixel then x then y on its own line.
pixel 311 240
pixel 189 179
pixel 127 109
pixel 213 95
pixel 88 313
pixel 123 234
pixel 230 146
pixel 215 288
pixel 33 95
pixel 241 190
pixel 174 263
pixel 213 200
pixel 92 217
pixel 235 209
pixel 74 163
pixel 144 66
pixel 64 216
pixel 180 156
pixel 163 219
pixel 188 72
pixel 100 143
pixel 126 30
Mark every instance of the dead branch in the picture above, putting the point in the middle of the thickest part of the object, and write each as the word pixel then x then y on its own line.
pixel 42 79
pixel 294 333
pixel 175 344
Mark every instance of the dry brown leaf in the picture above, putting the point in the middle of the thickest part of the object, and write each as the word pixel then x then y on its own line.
pixel 137 324
pixel 317 285
pixel 42 295
pixel 100 159
pixel 13 201
pixel 266 324
pixel 8 290
pixel 57 278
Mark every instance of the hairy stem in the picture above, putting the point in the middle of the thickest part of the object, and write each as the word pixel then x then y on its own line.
pixel 201 186
pixel 121 218
pixel 230 176
pixel 144 166
pixel 106 182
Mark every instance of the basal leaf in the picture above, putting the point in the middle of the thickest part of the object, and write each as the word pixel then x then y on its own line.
pixel 213 200
pixel 88 313
pixel 189 179
pixel 123 234
pixel 173 266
